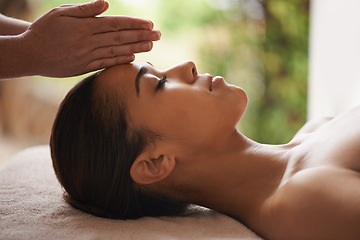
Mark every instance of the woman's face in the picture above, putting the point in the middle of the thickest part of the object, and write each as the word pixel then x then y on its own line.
pixel 192 109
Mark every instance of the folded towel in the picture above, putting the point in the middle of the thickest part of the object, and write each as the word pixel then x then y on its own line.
pixel 31 207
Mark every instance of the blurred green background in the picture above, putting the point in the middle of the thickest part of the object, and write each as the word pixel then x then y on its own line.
pixel 261 46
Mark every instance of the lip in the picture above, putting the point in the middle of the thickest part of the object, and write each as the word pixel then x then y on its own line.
pixel 209 81
pixel 214 82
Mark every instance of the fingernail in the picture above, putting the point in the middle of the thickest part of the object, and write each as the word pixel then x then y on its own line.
pixel 131 58
pixel 98 2
pixel 145 46
pixel 146 26
pixel 149 26
pixel 156 35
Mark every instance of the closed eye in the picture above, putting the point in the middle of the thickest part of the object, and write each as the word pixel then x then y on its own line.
pixel 161 83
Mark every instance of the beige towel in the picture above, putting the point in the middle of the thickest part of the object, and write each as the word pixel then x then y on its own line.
pixel 31 207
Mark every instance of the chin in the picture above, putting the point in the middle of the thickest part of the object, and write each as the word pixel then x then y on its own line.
pixel 238 90
pixel 240 94
pixel 236 101
pixel 241 103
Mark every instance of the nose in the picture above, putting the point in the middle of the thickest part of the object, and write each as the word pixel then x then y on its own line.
pixel 185 71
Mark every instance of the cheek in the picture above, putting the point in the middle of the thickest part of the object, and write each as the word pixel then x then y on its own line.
pixel 179 115
pixel 201 119
pixel 193 117
pixel 208 112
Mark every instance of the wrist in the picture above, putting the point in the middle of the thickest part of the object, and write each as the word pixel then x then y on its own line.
pixel 16 57
pixel 28 52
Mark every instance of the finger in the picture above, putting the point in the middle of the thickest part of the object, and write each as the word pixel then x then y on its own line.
pixel 108 62
pixel 116 23
pixel 105 7
pixel 123 37
pixel 117 51
pixel 84 10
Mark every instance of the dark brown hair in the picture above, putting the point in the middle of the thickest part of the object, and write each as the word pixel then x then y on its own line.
pixel 93 148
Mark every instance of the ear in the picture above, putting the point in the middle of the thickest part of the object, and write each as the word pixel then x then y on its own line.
pixel 151 167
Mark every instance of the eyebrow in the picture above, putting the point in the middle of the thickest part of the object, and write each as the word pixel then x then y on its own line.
pixel 141 73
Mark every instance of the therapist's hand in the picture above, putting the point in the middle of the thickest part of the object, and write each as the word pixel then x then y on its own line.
pixel 69 40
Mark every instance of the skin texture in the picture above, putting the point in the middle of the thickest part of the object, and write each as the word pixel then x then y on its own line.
pixel 70 40
pixel 306 189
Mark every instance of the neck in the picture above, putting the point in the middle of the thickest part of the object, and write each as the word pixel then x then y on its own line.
pixel 243 174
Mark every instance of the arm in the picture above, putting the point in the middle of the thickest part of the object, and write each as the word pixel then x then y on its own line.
pixel 69 40
pixel 12 26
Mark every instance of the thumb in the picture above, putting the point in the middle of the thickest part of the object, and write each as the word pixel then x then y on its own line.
pixel 90 9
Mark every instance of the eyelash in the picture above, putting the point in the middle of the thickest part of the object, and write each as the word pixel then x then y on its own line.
pixel 161 83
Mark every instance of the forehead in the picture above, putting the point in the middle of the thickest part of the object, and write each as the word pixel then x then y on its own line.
pixel 120 75
pixel 120 80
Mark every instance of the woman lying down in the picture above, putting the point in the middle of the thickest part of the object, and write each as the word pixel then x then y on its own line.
pixel 134 141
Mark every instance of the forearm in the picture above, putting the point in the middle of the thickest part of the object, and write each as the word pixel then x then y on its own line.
pixel 15 59
pixel 12 26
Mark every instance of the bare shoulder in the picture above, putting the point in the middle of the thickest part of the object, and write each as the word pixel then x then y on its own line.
pixel 316 203
pixel 314 125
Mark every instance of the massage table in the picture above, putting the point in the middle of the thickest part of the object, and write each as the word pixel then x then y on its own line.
pixel 32 207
